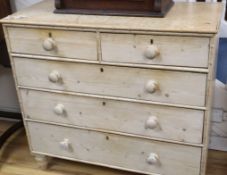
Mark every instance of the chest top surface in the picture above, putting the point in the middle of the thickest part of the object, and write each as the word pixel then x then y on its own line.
pixel 183 17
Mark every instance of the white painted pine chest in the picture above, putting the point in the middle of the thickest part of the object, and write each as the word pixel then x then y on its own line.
pixel 131 93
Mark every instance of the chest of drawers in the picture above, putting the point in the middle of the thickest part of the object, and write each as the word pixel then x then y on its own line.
pixel 128 93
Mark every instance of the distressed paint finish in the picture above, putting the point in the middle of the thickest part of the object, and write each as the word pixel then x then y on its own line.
pixel 173 50
pixel 200 18
pixel 172 87
pixel 124 84
pixel 70 44
pixel 115 116
pixel 119 151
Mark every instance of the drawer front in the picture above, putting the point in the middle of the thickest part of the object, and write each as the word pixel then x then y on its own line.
pixel 157 50
pixel 117 151
pixel 48 42
pixel 145 84
pixel 140 119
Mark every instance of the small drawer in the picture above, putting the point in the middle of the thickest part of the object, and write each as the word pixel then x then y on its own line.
pixel 48 42
pixel 156 50
pixel 152 121
pixel 116 151
pixel 143 84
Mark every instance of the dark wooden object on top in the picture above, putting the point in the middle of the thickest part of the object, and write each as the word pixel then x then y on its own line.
pixel 4 11
pixel 156 8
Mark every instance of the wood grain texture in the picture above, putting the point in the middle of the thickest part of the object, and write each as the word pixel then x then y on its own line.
pixel 71 44
pixel 120 82
pixel 173 87
pixel 115 151
pixel 111 115
pixel 209 99
pixel 159 67
pixel 174 50
pixel 194 17
pixel 16 159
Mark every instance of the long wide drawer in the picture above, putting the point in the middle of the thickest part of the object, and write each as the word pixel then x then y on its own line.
pixel 157 50
pixel 50 42
pixel 154 121
pixel 144 84
pixel 116 151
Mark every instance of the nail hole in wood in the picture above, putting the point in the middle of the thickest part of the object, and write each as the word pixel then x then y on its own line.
pixel 50 34
pixel 152 41
pixel 107 138
pixel 104 103
pixel 101 69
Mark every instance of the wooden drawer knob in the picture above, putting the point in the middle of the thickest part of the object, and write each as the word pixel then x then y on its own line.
pixel 153 159
pixel 54 76
pixel 152 86
pixel 151 52
pixel 152 122
pixel 65 145
pixel 49 44
pixel 59 109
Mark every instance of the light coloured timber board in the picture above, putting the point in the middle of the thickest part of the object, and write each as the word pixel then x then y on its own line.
pixel 16 159
pixel 172 86
pixel 158 67
pixel 71 44
pixel 173 50
pixel 112 98
pixel 114 115
pixel 194 17
pixel 115 150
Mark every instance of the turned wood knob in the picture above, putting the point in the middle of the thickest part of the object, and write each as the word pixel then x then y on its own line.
pixel 152 122
pixel 59 109
pixel 49 44
pixel 54 76
pixel 151 52
pixel 151 86
pixel 153 159
pixel 65 145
